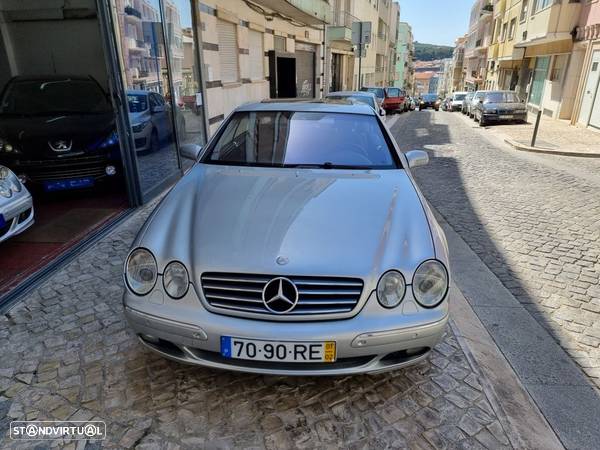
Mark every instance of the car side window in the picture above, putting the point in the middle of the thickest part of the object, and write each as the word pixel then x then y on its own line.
pixel 153 101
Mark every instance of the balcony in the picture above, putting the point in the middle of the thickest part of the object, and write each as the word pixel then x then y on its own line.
pixel 493 51
pixel 309 12
pixel 341 27
pixel 137 46
pixel 133 13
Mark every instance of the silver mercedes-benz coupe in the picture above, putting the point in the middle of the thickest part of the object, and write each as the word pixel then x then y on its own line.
pixel 297 244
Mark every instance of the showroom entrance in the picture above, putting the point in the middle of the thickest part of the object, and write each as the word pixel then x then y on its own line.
pixel 95 100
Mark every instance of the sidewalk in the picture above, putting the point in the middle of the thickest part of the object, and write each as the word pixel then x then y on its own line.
pixel 554 137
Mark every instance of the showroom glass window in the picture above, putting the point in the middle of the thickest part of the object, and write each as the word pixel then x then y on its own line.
pixel 161 83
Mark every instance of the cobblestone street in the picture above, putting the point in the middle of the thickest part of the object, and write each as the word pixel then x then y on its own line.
pixel 67 353
pixel 534 220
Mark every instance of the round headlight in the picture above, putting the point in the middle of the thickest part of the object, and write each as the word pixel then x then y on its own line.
pixel 10 180
pixel 430 283
pixel 176 280
pixel 141 271
pixel 391 289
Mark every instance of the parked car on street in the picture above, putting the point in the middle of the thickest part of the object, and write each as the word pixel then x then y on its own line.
pixel 466 102
pixel 378 91
pixel 500 106
pixel 151 121
pixel 16 205
pixel 477 97
pixel 367 98
pixel 429 101
pixel 258 259
pixel 456 101
pixel 394 100
pixel 58 132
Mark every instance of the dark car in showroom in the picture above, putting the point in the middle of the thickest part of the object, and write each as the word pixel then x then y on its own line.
pixel 499 106
pixel 429 101
pixel 58 132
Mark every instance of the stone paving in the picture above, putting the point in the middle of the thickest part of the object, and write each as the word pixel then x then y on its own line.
pixel 534 220
pixel 67 353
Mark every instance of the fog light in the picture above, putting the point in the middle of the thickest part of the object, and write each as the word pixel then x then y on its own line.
pixel 110 170
pixel 22 178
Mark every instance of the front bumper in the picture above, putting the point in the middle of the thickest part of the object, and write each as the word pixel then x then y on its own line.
pixel 374 340
pixel 18 215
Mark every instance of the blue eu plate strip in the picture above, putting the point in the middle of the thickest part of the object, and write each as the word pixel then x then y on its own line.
pixel 226 346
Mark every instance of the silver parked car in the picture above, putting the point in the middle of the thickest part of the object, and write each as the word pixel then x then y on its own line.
pixel 16 205
pixel 367 98
pixel 298 244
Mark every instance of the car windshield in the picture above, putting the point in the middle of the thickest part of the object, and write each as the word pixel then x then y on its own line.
pixel 137 102
pixel 501 97
pixel 365 99
pixel 63 96
pixel 379 92
pixel 459 97
pixel 393 92
pixel 430 97
pixel 302 139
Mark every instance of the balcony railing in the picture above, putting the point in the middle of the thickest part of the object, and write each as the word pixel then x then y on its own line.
pixel 342 19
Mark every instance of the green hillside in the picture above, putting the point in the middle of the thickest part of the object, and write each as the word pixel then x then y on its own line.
pixel 430 52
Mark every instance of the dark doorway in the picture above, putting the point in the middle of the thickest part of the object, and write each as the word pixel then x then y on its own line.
pixel 283 67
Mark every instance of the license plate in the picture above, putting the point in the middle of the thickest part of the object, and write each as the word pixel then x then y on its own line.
pixel 257 350
pixel 506 117
pixel 2 221
pixel 61 185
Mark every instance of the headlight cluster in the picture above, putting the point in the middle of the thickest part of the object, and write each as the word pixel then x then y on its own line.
pixel 7 147
pixel 429 285
pixel 138 127
pixel 9 183
pixel 141 273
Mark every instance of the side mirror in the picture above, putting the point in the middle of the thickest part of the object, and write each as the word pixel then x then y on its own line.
pixel 417 158
pixel 157 109
pixel 190 151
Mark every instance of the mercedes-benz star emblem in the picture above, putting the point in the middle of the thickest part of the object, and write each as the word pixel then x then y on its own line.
pixel 60 145
pixel 280 295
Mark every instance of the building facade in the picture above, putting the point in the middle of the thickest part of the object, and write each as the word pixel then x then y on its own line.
pixel 476 47
pixel 457 81
pixel 586 110
pixel 405 50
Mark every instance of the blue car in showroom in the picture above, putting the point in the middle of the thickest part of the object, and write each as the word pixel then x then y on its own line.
pixel 58 132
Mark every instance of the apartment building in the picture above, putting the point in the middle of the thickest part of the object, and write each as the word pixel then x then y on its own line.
pixel 504 58
pixel 405 51
pixel 587 49
pixel 258 50
pixel 478 41
pixel 457 81
pixel 377 62
pixel 425 83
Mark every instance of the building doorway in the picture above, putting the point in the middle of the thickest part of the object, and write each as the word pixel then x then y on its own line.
pixel 305 69
pixel 283 67
pixel 590 103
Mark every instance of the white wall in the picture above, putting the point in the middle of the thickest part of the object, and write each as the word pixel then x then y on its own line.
pixel 72 47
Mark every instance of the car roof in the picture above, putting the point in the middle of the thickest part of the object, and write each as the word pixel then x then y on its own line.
pixel 308 107
pixel 357 93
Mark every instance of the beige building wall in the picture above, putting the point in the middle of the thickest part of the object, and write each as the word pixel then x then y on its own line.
pixel 223 97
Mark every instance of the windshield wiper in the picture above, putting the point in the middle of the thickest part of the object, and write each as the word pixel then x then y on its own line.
pixel 327 165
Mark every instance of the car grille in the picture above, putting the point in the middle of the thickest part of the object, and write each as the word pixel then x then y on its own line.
pixel 64 169
pixel 317 295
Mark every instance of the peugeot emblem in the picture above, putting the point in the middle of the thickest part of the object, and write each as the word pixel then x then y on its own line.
pixel 280 295
pixel 60 145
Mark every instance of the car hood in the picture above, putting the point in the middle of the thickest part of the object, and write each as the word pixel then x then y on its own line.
pixel 31 134
pixel 138 117
pixel 325 222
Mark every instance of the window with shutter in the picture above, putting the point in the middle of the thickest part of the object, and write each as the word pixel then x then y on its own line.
pixel 256 57
pixel 228 51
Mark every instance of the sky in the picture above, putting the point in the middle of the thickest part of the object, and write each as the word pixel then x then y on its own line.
pixel 436 21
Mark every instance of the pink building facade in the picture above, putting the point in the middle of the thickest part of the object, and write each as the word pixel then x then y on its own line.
pixel 587 49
